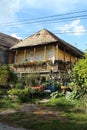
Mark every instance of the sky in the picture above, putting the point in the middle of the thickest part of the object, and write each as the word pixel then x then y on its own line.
pixel 65 18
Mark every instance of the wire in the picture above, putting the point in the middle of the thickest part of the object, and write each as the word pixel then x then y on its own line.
pixel 35 20
pixel 75 12
pixel 51 19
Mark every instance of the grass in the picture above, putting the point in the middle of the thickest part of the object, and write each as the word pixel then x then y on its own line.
pixel 6 103
pixel 58 114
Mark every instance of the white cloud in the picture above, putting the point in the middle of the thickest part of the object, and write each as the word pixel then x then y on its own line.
pixel 15 36
pixel 8 9
pixel 14 10
pixel 53 5
pixel 74 28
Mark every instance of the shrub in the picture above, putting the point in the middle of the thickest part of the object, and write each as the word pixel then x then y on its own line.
pixel 20 84
pixel 54 94
pixel 3 92
pixel 78 77
pixel 32 79
pixel 57 86
pixel 7 76
pixel 22 94
pixel 72 95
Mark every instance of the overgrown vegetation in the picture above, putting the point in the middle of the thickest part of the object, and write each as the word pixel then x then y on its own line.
pixel 7 76
pixel 59 114
pixel 63 111
pixel 78 79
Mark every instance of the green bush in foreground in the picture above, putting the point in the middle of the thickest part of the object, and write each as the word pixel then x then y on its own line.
pixel 22 94
pixel 78 77
pixel 7 76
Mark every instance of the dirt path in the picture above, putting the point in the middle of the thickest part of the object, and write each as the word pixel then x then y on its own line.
pixel 39 110
pixel 23 108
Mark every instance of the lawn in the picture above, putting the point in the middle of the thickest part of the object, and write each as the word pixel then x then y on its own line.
pixel 57 114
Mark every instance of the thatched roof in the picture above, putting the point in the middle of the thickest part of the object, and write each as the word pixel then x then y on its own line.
pixel 7 41
pixel 39 38
pixel 44 37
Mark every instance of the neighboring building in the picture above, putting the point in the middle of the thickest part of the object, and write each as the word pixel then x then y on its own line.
pixel 43 52
pixel 5 43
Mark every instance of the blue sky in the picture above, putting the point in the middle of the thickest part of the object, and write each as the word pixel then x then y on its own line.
pixel 15 18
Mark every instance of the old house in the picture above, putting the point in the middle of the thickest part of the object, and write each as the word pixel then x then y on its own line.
pixel 6 42
pixel 43 52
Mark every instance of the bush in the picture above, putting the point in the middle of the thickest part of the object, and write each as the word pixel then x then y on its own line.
pixel 57 86
pixel 78 77
pixel 20 83
pixel 54 94
pixel 7 76
pixel 72 95
pixel 22 94
pixel 31 80
pixel 3 92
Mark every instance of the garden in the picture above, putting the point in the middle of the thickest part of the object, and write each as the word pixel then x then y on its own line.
pixel 65 109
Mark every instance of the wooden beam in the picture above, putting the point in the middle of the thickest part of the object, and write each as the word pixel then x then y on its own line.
pixel 53 55
pixel 57 47
pixel 45 49
pixel 15 58
pixel 57 55
pixel 64 54
pixel 70 56
pixel 24 55
pixel 34 53
pixel 70 59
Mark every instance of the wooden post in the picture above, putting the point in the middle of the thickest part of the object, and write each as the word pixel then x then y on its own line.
pixel 70 56
pixel 57 55
pixel 34 53
pixel 15 58
pixel 24 55
pixel 53 59
pixel 11 57
pixel 45 53
pixel 57 52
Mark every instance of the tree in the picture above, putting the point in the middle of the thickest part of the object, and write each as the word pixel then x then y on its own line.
pixel 79 76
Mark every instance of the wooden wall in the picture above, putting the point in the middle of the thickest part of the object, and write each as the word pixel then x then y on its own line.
pixel 20 56
pixel 41 53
